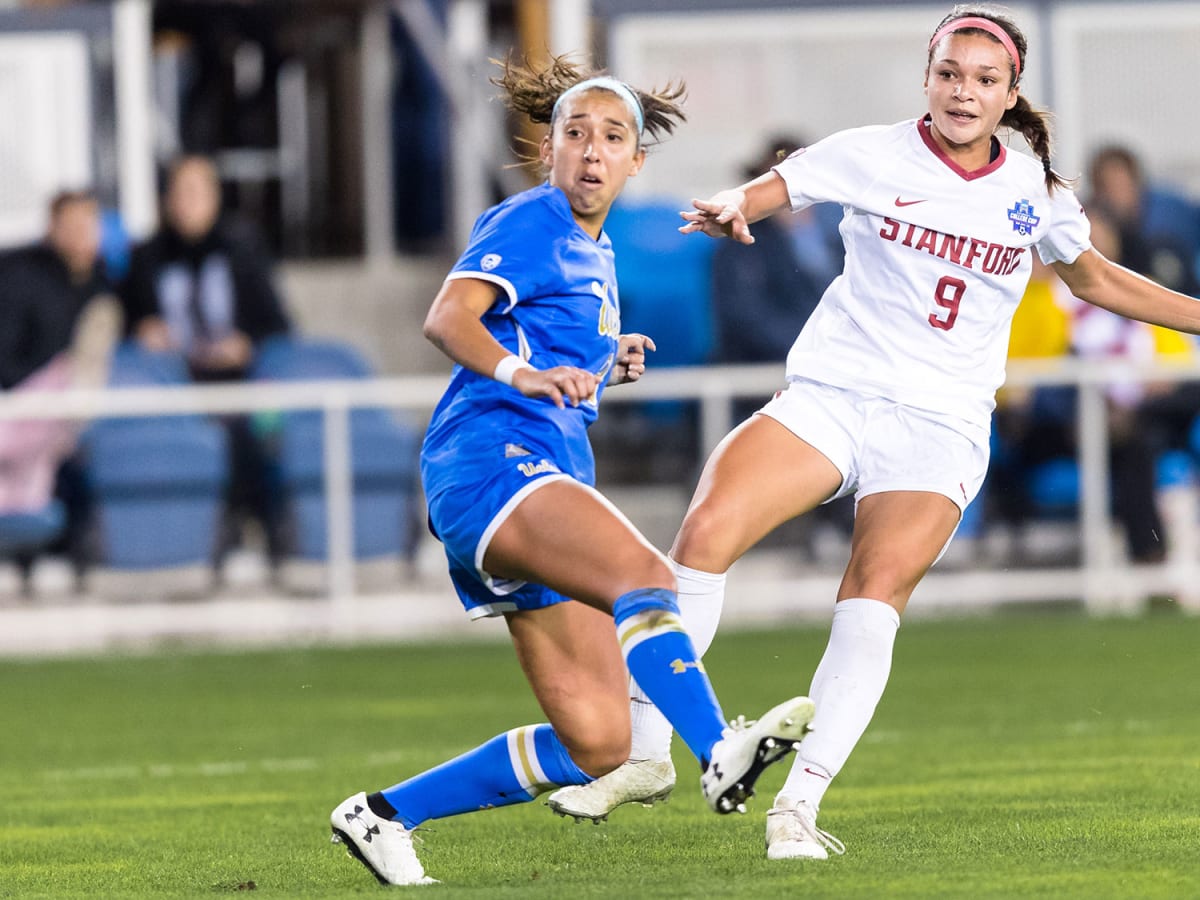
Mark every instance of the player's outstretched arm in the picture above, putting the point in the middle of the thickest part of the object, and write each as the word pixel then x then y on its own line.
pixel 731 213
pixel 1110 286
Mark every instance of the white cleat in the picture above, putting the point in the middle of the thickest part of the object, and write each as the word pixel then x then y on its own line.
pixel 792 832
pixel 383 846
pixel 643 781
pixel 747 748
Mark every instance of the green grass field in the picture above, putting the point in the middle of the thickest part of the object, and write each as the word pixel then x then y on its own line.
pixel 1021 755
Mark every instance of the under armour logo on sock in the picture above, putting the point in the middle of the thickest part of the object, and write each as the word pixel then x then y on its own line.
pixel 678 666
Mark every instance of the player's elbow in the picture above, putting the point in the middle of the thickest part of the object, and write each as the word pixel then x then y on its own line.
pixel 437 327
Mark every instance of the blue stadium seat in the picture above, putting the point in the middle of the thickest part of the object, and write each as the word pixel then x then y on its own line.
pixel 664 279
pixel 1174 468
pixel 158 486
pixel 157 482
pixel 134 366
pixel 1166 212
pixel 1171 218
pixel 665 289
pixel 28 532
pixel 23 535
pixel 1054 485
pixel 383 454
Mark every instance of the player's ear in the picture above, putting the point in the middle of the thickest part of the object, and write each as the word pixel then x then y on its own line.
pixel 639 160
pixel 546 151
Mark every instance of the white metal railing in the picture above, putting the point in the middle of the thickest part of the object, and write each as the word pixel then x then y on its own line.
pixel 1103 580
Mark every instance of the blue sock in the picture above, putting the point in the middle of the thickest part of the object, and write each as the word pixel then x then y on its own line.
pixel 513 767
pixel 663 662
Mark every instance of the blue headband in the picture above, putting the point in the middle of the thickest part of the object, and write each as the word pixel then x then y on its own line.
pixel 620 88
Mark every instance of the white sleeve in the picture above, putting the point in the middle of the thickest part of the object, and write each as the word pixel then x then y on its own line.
pixel 833 170
pixel 1070 232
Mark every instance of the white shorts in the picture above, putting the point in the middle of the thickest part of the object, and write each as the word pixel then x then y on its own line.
pixel 881 445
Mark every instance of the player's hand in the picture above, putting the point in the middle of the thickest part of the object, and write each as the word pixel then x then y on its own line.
pixel 720 216
pixel 561 385
pixel 154 334
pixel 630 364
pixel 230 353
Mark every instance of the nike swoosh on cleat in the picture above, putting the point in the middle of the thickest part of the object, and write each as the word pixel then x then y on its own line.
pixel 900 202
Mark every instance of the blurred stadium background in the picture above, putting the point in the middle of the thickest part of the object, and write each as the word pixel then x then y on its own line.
pixel 363 137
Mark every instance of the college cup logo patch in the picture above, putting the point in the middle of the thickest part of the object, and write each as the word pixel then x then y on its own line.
pixel 490 261
pixel 1022 217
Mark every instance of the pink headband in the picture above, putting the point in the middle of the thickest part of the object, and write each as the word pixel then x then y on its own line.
pixel 983 25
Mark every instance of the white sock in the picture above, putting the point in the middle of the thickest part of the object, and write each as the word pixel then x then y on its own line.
pixel 846 689
pixel 701 596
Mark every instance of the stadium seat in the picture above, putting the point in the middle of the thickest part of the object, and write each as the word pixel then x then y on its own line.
pixel 1172 220
pixel 1054 487
pixel 383 454
pixel 28 532
pixel 663 278
pixel 157 482
pixel 664 288
pixel 23 535
pixel 158 486
pixel 1170 213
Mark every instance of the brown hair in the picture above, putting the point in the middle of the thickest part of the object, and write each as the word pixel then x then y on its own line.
pixel 1033 124
pixel 533 92
pixel 63 199
pixel 1116 154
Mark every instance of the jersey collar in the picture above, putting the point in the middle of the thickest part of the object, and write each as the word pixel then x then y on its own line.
pixel 998 153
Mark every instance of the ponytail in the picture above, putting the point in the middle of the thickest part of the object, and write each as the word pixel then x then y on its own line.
pixel 1034 126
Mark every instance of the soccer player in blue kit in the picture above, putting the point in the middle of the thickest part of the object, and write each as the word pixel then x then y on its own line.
pixel 531 317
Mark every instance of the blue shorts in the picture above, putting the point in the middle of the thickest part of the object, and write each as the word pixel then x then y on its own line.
pixel 488 485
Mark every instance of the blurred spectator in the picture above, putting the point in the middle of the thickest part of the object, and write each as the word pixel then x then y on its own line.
pixel 763 293
pixel 1160 244
pixel 1150 245
pixel 58 324
pixel 1037 427
pixel 203 286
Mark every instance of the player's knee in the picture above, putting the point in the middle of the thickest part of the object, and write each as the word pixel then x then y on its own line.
pixel 703 541
pixel 600 754
pixel 646 570
pixel 880 577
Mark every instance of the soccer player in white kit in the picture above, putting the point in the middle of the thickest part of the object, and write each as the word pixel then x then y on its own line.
pixel 891 383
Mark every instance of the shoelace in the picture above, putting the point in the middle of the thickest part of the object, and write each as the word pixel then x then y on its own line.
pixel 809 827
pixel 414 838
pixel 741 723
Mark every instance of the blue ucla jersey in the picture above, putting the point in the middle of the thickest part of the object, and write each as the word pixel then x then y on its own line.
pixel 557 306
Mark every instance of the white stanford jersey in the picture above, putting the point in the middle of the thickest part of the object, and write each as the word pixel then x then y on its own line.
pixel 937 259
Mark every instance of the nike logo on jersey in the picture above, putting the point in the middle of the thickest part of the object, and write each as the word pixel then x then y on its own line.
pixel 903 203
